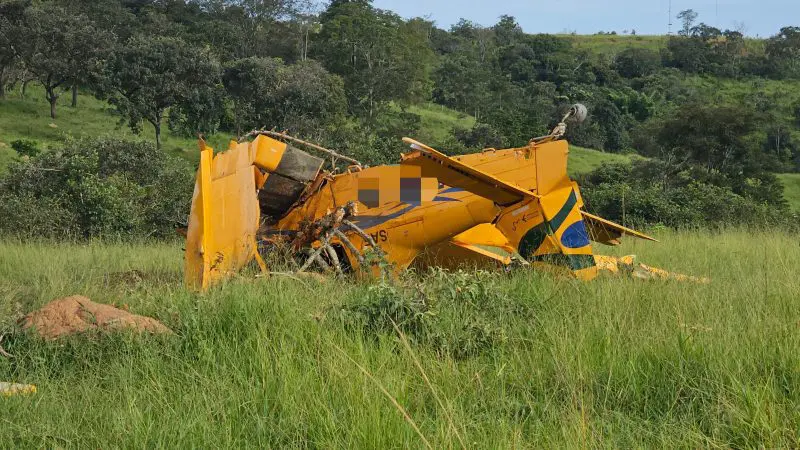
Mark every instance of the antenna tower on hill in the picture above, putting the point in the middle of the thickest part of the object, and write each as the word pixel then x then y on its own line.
pixel 669 20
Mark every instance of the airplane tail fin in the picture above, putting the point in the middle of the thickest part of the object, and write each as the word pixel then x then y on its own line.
pixel 550 230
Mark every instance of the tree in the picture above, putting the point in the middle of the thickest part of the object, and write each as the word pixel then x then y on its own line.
pixel 462 83
pixel 539 57
pixel 783 52
pixel 302 97
pixel 475 39
pixel 614 125
pixel 690 54
pixel 11 14
pixel 707 49
pixel 687 18
pixel 150 74
pixel 309 99
pixel 380 57
pixel 61 48
pixel 637 62
pixel 717 142
pixel 270 9
pixel 507 31
pixel 525 111
pixel 108 15
pixel 251 83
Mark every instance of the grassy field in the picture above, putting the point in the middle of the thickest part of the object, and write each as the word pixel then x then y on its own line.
pixel 608 45
pixel 552 362
pixel 582 160
pixel 438 122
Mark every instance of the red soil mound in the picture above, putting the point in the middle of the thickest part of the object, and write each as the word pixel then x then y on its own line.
pixel 76 314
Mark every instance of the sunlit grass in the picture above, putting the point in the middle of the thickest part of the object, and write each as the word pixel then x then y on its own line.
pixel 438 122
pixel 791 189
pixel 614 362
pixel 582 160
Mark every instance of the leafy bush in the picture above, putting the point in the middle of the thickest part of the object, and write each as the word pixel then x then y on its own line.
pixel 648 192
pixel 637 62
pixel 303 97
pixel 459 314
pixel 26 147
pixel 88 188
pixel 383 305
pixel 479 137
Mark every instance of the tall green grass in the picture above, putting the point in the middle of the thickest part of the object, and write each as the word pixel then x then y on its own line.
pixel 265 363
pixel 791 189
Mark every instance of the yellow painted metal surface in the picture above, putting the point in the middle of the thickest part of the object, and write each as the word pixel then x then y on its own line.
pixel 458 174
pixel 224 219
pixel 9 389
pixel 627 265
pixel 551 166
pixel 267 152
pixel 484 234
pixel 606 231
pixel 430 209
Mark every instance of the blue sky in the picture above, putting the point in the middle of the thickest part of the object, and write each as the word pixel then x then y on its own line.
pixel 759 17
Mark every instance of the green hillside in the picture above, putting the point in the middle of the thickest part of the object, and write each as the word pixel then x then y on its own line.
pixel 582 160
pixel 611 44
pixel 29 118
pixel 791 189
pixel 438 122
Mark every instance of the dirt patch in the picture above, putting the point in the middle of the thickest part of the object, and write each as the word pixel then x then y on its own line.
pixel 77 314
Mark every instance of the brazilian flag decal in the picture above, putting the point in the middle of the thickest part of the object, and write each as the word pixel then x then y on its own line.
pixel 575 236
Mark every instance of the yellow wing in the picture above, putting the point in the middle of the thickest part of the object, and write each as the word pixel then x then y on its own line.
pixel 456 174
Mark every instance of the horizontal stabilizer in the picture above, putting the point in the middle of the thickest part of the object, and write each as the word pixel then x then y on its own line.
pixel 607 232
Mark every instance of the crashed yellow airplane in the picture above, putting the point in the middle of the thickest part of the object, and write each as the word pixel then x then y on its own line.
pixel 494 206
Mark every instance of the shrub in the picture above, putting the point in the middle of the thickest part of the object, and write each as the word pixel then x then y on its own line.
pixel 88 188
pixel 26 147
pixel 459 314
pixel 637 62
pixel 649 192
pixel 480 136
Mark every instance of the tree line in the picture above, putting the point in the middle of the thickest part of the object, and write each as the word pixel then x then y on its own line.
pixel 345 73
pixel 210 65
